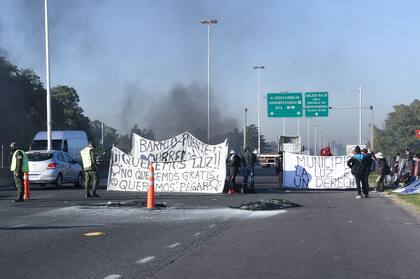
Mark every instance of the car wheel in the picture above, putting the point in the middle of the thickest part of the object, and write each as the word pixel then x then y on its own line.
pixel 59 181
pixel 79 182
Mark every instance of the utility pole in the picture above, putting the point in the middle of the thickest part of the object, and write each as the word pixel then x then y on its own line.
pixel 360 115
pixel 47 74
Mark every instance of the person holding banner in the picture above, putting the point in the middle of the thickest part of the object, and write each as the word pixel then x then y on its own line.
pixel 234 163
pixel 359 165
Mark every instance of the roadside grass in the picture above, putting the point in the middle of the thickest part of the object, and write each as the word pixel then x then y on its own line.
pixel 413 199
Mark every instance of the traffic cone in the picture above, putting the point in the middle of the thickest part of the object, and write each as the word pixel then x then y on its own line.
pixel 26 194
pixel 151 189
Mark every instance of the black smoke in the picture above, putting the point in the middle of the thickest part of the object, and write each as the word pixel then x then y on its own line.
pixel 184 108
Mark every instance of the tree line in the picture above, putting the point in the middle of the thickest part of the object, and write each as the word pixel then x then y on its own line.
pixel 23 114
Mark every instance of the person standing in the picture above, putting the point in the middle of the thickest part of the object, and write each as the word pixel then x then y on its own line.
pixel 248 159
pixel 90 169
pixel 18 166
pixel 371 166
pixel 234 165
pixel 359 165
pixel 382 169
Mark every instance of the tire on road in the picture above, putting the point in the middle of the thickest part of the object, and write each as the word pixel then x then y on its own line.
pixel 79 182
pixel 59 181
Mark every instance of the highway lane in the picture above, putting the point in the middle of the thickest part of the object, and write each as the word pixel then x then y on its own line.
pixel 332 235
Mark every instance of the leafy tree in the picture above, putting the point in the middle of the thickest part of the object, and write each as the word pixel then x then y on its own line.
pixel 66 112
pixel 399 131
pixel 125 141
pixel 110 135
pixel 252 139
pixel 21 94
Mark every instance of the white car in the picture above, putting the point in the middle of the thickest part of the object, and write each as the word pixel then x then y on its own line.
pixel 56 167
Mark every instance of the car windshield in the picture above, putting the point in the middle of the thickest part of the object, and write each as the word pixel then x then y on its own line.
pixel 37 157
pixel 42 145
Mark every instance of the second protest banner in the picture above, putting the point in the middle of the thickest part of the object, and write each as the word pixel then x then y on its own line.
pixel 317 172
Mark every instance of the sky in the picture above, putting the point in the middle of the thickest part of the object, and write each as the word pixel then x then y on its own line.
pixel 123 57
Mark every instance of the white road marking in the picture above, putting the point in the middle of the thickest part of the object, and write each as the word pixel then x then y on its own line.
pixel 265 213
pixel 145 260
pixel 113 276
pixel 197 234
pixel 18 226
pixel 212 226
pixel 174 245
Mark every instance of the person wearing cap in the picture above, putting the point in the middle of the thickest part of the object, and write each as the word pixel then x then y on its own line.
pixel 19 166
pixel 382 169
pixel 90 169
pixel 234 163
pixel 359 165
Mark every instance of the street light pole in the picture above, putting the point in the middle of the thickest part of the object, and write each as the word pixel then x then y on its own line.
pixel 360 115
pixel 245 124
pixel 47 74
pixel 208 23
pixel 309 145
pixel 315 136
pixel 371 130
pixel 259 68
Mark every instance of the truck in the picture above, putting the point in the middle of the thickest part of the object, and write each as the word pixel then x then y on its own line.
pixel 290 144
pixel 71 142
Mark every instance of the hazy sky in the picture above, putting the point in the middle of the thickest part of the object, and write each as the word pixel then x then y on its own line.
pixel 123 55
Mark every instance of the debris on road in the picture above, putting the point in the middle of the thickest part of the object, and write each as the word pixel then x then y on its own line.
pixel 273 204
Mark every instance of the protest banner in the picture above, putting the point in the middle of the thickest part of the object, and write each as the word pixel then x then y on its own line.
pixel 181 147
pixel 412 188
pixel 316 172
pixel 204 174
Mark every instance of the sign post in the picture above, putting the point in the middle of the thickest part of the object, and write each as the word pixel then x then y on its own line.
pixel 285 104
pixel 316 104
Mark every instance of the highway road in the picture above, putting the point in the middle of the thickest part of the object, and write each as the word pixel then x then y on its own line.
pixel 332 235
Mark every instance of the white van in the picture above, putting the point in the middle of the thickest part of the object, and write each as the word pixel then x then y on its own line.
pixel 71 142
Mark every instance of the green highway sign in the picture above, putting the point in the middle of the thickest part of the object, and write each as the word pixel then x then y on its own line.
pixel 316 104
pixel 285 104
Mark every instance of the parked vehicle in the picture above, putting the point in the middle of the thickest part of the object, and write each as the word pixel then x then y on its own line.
pixel 267 160
pixel 290 144
pixel 56 167
pixel 71 142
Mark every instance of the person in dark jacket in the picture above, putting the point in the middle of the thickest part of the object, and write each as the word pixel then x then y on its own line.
pixel 382 169
pixel 234 165
pixel 248 160
pixel 359 165
pixel 371 165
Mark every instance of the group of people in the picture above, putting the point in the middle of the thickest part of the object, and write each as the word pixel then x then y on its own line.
pixel 363 163
pixel 247 162
pixel 405 170
pixel 20 165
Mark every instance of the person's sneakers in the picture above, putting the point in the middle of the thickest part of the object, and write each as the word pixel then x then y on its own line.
pixel 95 195
pixel 358 196
pixel 231 192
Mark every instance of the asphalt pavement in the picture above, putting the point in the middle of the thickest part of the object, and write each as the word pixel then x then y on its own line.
pixel 332 235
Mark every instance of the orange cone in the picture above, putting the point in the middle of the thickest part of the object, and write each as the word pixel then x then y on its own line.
pixel 151 189
pixel 26 194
